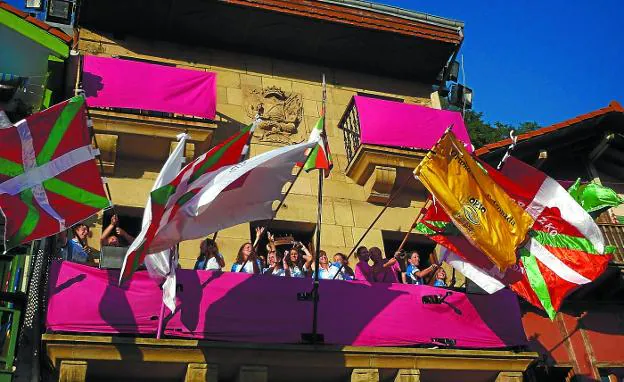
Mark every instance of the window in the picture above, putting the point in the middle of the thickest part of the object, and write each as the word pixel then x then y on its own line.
pixel 281 229
pixel 130 219
pixel 60 11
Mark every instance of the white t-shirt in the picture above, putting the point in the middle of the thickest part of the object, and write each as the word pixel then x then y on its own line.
pixel 213 265
pixel 274 271
pixel 329 273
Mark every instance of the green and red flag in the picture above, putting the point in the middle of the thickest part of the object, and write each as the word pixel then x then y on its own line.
pixel 565 249
pixel 320 156
pixel 167 199
pixel 48 176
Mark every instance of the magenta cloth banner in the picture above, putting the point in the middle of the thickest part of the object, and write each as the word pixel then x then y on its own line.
pixel 264 309
pixel 390 123
pixel 113 82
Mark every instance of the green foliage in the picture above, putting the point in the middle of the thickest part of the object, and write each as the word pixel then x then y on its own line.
pixel 482 133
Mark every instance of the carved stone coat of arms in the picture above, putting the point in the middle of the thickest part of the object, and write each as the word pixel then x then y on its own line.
pixel 281 113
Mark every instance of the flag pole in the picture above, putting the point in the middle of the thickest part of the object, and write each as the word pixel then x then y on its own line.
pixel 161 316
pixel 414 224
pixel 388 202
pixel 319 218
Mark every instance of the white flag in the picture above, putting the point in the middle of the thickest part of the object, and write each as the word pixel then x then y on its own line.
pixel 160 265
pixel 229 196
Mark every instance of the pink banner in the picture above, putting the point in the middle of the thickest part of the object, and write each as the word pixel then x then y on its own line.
pixel 113 82
pixel 264 309
pixel 390 123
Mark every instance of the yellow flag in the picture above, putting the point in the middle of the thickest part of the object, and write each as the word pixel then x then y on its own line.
pixel 478 206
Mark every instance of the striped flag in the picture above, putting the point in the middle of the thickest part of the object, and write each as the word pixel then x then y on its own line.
pixel 170 197
pixel 48 176
pixel 565 249
pixel 320 156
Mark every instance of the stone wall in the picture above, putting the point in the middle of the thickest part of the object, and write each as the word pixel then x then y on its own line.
pixel 243 79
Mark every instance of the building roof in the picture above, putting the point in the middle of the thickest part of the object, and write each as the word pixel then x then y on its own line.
pixel 357 36
pixel 48 36
pixel 366 14
pixel 614 107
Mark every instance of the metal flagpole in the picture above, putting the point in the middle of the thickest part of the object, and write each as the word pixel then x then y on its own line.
pixel 319 218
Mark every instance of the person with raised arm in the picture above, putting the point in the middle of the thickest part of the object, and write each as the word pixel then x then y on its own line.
pixel 274 259
pixel 413 274
pixel 297 265
pixel 384 270
pixel 113 233
pixel 246 260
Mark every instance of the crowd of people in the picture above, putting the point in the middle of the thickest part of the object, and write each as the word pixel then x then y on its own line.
pixel 296 261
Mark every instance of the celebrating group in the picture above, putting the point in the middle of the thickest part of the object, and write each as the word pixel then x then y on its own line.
pixel 298 261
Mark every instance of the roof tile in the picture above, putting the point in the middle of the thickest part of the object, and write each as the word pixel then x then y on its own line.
pixel 614 106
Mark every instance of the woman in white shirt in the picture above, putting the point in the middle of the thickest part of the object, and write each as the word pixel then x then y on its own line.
pixel 296 265
pixel 246 260
pixel 209 258
pixel 326 270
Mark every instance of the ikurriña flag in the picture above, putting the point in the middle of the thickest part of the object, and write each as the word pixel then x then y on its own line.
pixel 48 176
pixel 477 205
pixel 320 156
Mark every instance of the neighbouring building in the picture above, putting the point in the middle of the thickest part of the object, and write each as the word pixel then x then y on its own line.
pixel 32 76
pixel 583 342
pixel 272 54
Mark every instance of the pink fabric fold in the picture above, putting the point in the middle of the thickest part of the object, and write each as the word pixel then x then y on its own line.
pixel 113 82
pixel 391 123
pixel 265 309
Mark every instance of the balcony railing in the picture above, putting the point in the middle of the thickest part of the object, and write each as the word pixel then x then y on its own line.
pixel 614 235
pixel 350 125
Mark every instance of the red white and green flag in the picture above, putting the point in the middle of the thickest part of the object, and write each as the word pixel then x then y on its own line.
pixel 215 192
pixel 565 249
pixel 320 156
pixel 48 176
pixel 179 191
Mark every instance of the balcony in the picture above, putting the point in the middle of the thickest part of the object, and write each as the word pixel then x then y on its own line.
pixel 382 138
pixel 229 323
pixel 614 235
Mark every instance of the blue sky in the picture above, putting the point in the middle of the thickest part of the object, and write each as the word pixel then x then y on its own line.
pixel 543 61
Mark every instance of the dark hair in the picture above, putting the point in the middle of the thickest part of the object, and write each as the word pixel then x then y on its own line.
pixel 342 256
pixel 211 250
pixel 289 262
pixel 239 256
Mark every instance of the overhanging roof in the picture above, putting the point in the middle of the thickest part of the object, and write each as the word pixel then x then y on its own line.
pixel 355 35
pixel 589 124
pixel 47 36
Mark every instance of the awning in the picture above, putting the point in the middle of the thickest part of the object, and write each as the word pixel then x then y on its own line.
pixel 112 82
pixel 390 123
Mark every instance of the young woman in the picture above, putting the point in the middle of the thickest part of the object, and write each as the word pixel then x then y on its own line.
pixel 274 259
pixel 440 278
pixel 296 265
pixel 413 274
pixel 326 270
pixel 246 260
pixel 209 258
pixel 347 271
